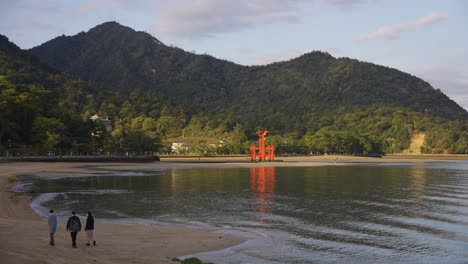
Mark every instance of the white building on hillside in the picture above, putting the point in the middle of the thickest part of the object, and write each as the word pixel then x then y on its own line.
pixel 179 147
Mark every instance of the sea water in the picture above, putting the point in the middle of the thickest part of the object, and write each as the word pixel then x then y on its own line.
pixel 367 213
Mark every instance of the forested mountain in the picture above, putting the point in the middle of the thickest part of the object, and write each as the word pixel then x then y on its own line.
pixel 43 110
pixel 122 59
pixel 314 103
pixel 38 106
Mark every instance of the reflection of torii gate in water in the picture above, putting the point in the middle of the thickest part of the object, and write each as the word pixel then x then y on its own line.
pixel 262 186
pixel 262 150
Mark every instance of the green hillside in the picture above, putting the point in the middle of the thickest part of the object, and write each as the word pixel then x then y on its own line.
pixel 39 108
pixel 122 59
pixel 44 111
pixel 314 103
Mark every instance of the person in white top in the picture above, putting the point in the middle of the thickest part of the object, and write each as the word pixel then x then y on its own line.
pixel 52 226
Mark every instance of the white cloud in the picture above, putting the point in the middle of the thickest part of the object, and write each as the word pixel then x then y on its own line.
pixel 204 18
pixel 390 32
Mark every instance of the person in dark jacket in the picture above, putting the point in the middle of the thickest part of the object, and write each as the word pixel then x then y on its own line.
pixel 74 226
pixel 89 228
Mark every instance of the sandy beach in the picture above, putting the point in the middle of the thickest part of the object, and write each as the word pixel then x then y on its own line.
pixel 24 235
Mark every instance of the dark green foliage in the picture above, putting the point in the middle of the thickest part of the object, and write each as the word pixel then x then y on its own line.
pixel 281 96
pixel 41 111
pixel 387 130
pixel 124 60
pixel 39 108
pixel 154 94
pixel 451 137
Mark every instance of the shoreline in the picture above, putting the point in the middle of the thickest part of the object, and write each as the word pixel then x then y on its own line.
pixel 24 234
pixel 233 158
pixel 24 237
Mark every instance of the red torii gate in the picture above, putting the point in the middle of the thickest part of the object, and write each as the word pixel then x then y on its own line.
pixel 263 152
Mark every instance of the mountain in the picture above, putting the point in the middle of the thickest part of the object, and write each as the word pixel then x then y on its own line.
pixel 39 107
pixel 43 110
pixel 154 94
pixel 122 59
pixel 299 90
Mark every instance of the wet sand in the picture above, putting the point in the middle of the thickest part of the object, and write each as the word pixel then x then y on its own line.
pixel 24 235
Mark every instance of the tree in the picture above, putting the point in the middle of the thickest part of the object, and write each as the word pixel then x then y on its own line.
pixel 239 140
pixel 139 142
pixel 48 133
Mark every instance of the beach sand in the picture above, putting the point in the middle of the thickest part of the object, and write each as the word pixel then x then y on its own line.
pixel 24 235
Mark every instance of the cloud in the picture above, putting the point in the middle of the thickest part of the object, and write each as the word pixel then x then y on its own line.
pixel 205 18
pixel 391 32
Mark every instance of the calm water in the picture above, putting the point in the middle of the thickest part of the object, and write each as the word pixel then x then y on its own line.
pixel 402 213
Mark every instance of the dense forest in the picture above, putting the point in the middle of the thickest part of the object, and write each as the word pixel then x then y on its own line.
pixel 155 94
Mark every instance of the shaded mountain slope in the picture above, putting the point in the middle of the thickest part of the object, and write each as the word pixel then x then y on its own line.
pixel 312 103
pixel 299 90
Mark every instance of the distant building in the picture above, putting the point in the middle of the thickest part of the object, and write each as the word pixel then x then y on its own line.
pixel 184 146
pixel 104 121
pixel 179 147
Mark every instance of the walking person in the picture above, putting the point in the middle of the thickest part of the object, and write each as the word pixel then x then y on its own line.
pixel 89 228
pixel 52 226
pixel 74 226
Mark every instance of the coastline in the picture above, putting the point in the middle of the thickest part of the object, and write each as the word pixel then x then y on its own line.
pixel 24 234
pixel 24 237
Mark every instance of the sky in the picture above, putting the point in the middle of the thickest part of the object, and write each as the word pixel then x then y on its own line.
pixel 426 38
